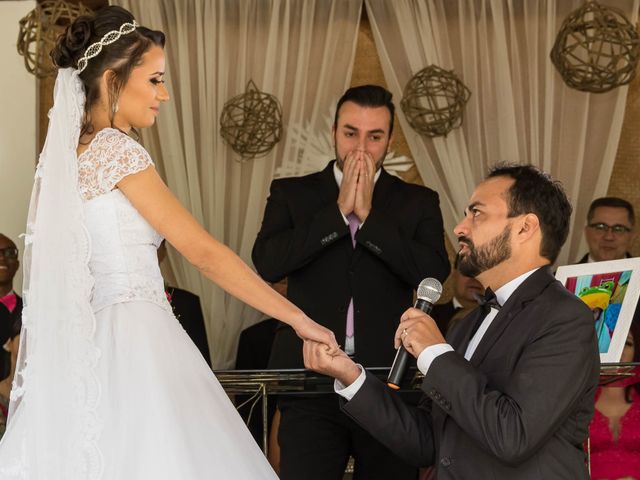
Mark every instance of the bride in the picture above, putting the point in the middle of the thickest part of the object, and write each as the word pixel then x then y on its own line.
pixel 108 385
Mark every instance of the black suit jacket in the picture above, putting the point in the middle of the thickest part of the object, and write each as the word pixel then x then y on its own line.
pixel 254 345
pixel 519 409
pixel 6 326
pixel 186 307
pixel 304 238
pixel 442 314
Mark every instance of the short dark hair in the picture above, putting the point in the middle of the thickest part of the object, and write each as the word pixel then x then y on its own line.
pixel 613 202
pixel 371 96
pixel 534 191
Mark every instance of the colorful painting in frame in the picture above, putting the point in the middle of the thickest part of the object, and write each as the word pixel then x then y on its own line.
pixel 610 290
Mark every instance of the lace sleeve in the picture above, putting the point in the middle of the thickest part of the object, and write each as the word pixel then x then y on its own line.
pixel 111 156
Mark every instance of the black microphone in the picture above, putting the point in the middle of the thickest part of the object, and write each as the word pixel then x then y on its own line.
pixel 429 292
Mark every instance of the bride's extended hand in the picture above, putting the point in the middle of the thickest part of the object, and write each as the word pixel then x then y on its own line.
pixel 310 330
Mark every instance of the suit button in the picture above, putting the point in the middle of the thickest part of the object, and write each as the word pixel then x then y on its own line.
pixel 445 461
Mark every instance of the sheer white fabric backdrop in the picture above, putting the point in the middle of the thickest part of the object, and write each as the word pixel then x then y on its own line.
pixel 300 51
pixel 519 111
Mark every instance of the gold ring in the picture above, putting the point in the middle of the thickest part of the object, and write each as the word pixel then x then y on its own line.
pixel 404 333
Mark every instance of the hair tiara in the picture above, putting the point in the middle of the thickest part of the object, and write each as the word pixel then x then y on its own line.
pixel 107 39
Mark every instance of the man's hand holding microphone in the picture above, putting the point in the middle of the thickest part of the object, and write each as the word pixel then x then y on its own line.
pixel 416 331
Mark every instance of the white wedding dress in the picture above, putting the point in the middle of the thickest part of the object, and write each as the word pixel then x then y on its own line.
pixel 161 413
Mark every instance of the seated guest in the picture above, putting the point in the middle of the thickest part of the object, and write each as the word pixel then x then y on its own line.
pixel 186 308
pixel 465 290
pixel 610 230
pixel 10 344
pixel 615 428
pixel 10 301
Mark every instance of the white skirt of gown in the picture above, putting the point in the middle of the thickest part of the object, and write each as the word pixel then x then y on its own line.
pixel 165 414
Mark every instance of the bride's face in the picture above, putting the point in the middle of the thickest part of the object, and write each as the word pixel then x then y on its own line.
pixel 140 99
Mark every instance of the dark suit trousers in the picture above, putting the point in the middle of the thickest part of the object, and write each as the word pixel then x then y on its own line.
pixel 316 439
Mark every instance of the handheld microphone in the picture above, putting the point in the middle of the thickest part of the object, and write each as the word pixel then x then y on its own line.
pixel 429 292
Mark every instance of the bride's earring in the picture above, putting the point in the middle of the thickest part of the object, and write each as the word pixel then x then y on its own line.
pixel 114 108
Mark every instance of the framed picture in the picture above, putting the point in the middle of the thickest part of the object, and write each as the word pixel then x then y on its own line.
pixel 611 290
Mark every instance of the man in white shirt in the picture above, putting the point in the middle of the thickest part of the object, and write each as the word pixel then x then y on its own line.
pixel 510 393
pixel 353 242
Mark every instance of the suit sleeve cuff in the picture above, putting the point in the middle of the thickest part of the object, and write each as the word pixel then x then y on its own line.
pixel 429 354
pixel 349 392
pixel 346 220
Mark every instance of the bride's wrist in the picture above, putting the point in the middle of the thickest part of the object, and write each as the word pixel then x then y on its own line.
pixel 299 319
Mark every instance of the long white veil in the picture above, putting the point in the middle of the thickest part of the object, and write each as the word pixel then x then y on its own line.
pixel 53 426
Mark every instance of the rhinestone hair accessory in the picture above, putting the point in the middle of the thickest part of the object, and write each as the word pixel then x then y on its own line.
pixel 107 39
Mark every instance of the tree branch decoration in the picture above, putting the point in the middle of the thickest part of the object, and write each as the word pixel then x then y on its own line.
pixel 251 123
pixel 433 101
pixel 39 30
pixel 596 49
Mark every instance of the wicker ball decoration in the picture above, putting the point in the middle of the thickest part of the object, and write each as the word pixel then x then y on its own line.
pixel 596 49
pixel 251 123
pixel 39 30
pixel 433 101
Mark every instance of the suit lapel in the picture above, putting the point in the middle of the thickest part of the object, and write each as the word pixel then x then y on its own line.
pixel 526 292
pixel 327 187
pixel 460 335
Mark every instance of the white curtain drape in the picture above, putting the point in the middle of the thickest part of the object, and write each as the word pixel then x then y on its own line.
pixel 519 111
pixel 302 52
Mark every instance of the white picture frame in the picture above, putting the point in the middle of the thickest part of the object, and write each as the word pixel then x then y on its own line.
pixel 611 290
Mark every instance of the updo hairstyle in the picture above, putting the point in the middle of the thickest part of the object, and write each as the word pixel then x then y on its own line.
pixel 121 56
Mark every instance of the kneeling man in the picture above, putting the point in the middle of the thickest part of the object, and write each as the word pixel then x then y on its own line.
pixel 509 394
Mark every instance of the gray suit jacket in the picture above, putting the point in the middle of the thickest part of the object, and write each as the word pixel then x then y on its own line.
pixel 519 409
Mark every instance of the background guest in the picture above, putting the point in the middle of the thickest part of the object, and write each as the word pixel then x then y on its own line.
pixel 354 242
pixel 186 307
pixel 615 428
pixel 10 344
pixel 10 301
pixel 463 301
pixel 610 230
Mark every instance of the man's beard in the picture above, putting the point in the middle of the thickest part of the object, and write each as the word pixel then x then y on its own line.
pixel 485 257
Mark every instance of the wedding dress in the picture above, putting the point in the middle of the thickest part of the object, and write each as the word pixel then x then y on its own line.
pixel 152 408
pixel 165 414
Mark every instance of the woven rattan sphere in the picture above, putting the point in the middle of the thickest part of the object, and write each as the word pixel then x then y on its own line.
pixel 39 30
pixel 433 101
pixel 596 49
pixel 251 123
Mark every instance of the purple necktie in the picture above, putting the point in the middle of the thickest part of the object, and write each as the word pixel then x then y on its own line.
pixel 354 223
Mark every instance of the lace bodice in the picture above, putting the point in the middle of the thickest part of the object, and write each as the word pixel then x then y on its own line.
pixel 123 259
